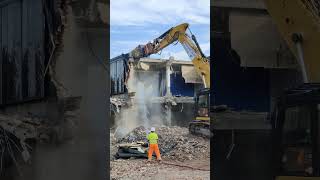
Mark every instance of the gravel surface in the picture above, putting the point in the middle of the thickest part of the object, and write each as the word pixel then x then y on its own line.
pixel 139 169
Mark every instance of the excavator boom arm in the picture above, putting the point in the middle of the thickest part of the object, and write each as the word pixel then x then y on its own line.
pixel 299 23
pixel 178 33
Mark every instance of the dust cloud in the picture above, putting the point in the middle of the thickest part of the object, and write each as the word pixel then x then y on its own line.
pixel 145 85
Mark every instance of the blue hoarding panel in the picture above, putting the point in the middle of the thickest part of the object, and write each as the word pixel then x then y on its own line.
pixel 179 87
pixel 238 87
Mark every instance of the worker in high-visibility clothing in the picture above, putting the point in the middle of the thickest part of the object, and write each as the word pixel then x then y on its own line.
pixel 153 145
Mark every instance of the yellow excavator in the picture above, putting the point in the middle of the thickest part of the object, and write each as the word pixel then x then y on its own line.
pixel 289 147
pixel 201 123
pixel 297 140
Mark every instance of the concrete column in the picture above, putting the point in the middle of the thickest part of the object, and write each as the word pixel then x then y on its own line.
pixel 168 73
pixel 168 116
pixel 168 92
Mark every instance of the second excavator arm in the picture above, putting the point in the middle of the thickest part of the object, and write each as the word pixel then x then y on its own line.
pixel 191 46
pixel 299 23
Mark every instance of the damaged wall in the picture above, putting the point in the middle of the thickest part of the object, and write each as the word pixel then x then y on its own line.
pixel 259 27
pixel 78 68
pixel 184 81
pixel 22 49
pixel 151 104
pixel 118 74
pixel 259 73
pixel 272 53
pixel 238 87
pixel 29 30
pixel 79 48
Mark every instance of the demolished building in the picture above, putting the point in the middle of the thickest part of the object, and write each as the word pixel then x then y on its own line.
pixel 168 86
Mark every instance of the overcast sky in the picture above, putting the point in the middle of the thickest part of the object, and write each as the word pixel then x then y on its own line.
pixel 135 22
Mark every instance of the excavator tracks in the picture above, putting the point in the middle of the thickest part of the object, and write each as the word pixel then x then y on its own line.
pixel 199 128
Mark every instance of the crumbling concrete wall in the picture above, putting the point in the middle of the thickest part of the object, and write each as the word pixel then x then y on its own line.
pixel 256 66
pixel 79 72
pixel 151 104
pixel 76 71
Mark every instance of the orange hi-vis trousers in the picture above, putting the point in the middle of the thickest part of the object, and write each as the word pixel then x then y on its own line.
pixel 153 147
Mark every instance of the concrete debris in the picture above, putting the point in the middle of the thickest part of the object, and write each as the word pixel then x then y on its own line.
pixel 23 128
pixel 14 133
pixel 180 145
pixel 138 134
pixel 174 142
pixel 173 100
pixel 138 52
pixel 18 133
pixel 190 75
pixel 117 103
pixel 9 145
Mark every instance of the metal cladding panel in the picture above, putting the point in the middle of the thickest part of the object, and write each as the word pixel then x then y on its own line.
pixel 33 49
pixel 112 83
pixel 22 51
pixel 237 87
pixel 118 70
pixel 12 49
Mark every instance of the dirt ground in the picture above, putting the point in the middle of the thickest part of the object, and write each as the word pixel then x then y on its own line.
pixel 141 169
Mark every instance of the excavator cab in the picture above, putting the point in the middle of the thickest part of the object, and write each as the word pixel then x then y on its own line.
pixel 296 133
pixel 202 105
pixel 201 124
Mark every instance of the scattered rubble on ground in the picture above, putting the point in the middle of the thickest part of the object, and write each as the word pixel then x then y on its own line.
pixel 185 156
pixel 174 142
pixel 139 169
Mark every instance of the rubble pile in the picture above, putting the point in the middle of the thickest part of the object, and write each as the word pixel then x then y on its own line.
pixel 138 134
pixel 20 132
pixel 113 146
pixel 180 145
pixel 174 142
pixel 118 102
